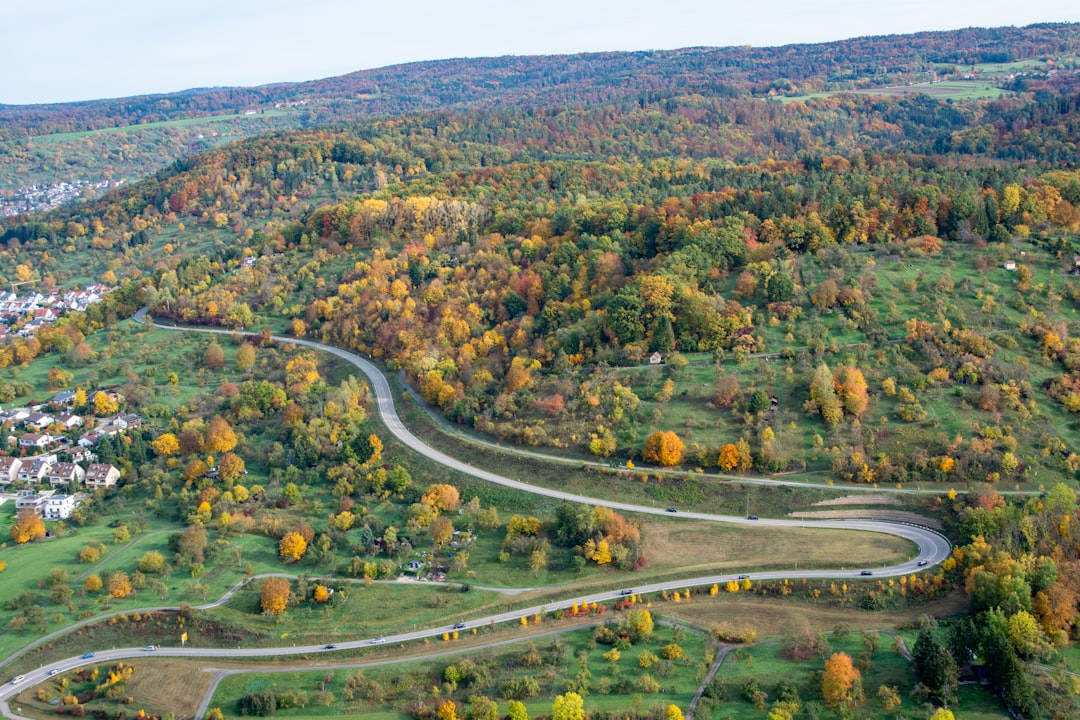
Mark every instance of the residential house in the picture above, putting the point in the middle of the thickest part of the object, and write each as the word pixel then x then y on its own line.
pixel 656 358
pixel 35 469
pixel 9 469
pixel 89 440
pixel 68 420
pixel 79 455
pixel 101 475
pixel 1010 264
pixel 35 440
pixel 65 473
pixel 39 420
pixel 59 507
pixel 129 421
pixel 64 398
pixel 15 415
pixel 33 500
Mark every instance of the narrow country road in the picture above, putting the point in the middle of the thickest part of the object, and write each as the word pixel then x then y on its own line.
pixel 933 547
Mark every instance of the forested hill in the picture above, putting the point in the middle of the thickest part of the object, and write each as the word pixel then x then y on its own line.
pixel 576 79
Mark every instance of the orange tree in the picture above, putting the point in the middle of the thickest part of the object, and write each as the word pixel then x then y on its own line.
pixel 664 448
pixel 840 683
pixel 275 595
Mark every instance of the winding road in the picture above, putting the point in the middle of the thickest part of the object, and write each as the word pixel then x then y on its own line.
pixel 933 547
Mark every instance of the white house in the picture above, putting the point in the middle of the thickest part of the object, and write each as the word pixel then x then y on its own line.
pixel 101 475
pixel 68 420
pixel 33 500
pixel 39 420
pixel 59 507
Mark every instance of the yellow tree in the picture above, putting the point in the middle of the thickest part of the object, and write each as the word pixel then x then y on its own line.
pixel 568 707
pixel 322 593
pixel 729 457
pixel 275 595
pixel 292 547
pixel 220 437
pixel 28 526
pixel 104 405
pixel 166 444
pixel 673 713
pixel 441 497
pixel 119 584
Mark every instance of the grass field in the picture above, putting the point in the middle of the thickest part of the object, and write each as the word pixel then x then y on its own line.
pixel 943 90
pixel 181 123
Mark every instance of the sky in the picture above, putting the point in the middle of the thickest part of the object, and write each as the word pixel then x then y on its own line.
pixel 67 50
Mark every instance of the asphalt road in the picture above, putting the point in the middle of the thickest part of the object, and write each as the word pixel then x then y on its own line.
pixel 933 548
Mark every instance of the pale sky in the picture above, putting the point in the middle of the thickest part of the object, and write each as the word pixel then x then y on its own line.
pixel 65 50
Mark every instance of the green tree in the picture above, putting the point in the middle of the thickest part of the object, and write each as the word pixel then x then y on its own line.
pixel 935 667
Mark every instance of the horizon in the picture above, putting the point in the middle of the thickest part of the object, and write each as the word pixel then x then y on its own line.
pixel 247 44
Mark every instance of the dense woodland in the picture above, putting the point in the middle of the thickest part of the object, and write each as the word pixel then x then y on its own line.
pixel 825 281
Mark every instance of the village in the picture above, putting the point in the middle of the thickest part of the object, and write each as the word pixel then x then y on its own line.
pixel 46 196
pixel 40 454
pixel 24 315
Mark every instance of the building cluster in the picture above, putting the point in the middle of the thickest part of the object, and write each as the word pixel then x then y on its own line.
pixel 49 470
pixel 35 309
pixel 40 427
pixel 46 196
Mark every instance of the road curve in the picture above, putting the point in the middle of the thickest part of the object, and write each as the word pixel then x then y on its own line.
pixel 933 547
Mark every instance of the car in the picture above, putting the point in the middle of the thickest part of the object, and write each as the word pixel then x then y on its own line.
pixel 627 591
pixel 673 510
pixel 330 647
pixel 866 572
pixel 378 641
pixel 459 626
pixel 751 517
pixel 54 671
pixel 150 648
pixel 744 577
pixel 88 655
pixel 923 563
pixel 17 679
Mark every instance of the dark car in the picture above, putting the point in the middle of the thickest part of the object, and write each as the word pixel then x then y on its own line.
pixel 923 563
pixel 751 517
pixel 459 626
pixel 330 647
pixel 627 591
pixel 673 510
pixel 744 577
pixel 866 572
pixel 88 655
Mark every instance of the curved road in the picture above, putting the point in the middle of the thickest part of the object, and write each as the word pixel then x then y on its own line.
pixel 933 547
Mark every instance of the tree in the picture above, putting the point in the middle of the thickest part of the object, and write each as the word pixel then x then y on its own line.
pixel 104 405
pixel 214 357
pixel 515 710
pixel 568 707
pixel 321 594
pixel 663 448
pixel 935 667
pixel 28 526
pixel 275 595
pixel 839 682
pixel 823 397
pixel 119 584
pixel 152 562
pixel 729 457
pixel 441 497
pixel 230 467
pixel 92 584
pixel 853 390
pixel 442 529
pixel 165 445
pixel 292 547
pixel 220 437
pixel 245 357
pixel 673 712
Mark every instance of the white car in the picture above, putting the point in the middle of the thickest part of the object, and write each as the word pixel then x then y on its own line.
pixel 54 671
pixel 150 648
pixel 17 679
pixel 378 641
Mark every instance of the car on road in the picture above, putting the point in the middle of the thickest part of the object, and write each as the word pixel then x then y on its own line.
pixel 751 517
pixel 459 626
pixel 866 572
pixel 150 648
pixel 54 671
pixel 17 679
pixel 88 655
pixel 627 591
pixel 378 641
pixel 673 510
pixel 744 577
pixel 924 563
pixel 330 647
